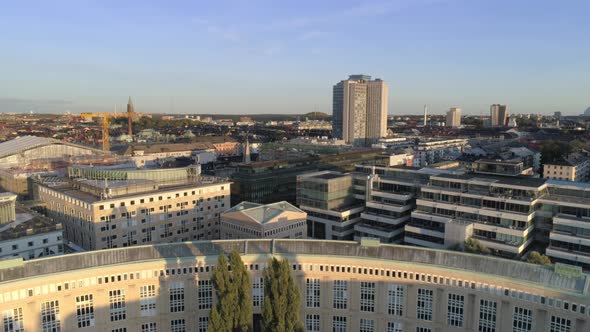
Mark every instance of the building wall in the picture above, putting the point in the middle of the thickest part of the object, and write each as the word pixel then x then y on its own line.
pixel 169 215
pixel 377 292
pixel 33 246
pixel 559 172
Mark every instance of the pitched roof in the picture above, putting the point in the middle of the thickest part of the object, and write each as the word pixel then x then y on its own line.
pixel 262 214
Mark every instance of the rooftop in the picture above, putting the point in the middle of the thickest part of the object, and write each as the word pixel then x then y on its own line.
pixel 261 213
pixel 27 223
pixel 538 275
pixel 20 144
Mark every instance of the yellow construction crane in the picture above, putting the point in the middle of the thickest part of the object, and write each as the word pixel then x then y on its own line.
pixel 106 139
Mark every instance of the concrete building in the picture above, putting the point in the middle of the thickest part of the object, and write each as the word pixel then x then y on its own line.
pixel 7 207
pixel 498 115
pixel 360 110
pixel 453 118
pixel 279 220
pixel 344 286
pixel 118 208
pixel 25 233
pixel 433 150
pixel 328 199
pixel 575 167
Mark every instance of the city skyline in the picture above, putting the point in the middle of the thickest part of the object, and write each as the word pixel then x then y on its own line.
pixel 195 58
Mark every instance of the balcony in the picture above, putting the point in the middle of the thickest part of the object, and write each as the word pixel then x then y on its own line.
pixel 384 219
pixel 422 230
pixel 380 231
pixel 403 196
pixel 389 207
pixel 570 255
pixel 569 237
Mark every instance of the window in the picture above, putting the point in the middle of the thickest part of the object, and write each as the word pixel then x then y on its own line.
pixel 85 310
pixel 177 296
pixel 13 320
pixel 522 320
pixel 559 324
pixel 50 316
pixel 424 304
pixel 313 293
pixel 205 294
pixel 117 304
pixel 149 327
pixel 455 305
pixel 367 296
pixel 395 327
pixel 367 325
pixel 257 292
pixel 312 323
pixel 423 329
pixel 487 316
pixel 177 325
pixel 338 324
pixel 395 299
pixel 203 323
pixel 119 329
pixel 147 300
pixel 340 289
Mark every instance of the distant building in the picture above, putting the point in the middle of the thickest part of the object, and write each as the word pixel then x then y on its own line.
pixel 454 117
pixel 499 115
pixel 434 150
pixel 257 221
pixel 575 167
pixel 360 110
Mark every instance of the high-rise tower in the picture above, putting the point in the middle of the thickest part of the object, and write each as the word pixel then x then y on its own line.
pixel 454 117
pixel 130 115
pixel 360 110
pixel 498 115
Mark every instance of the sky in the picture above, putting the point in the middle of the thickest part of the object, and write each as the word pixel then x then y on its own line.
pixel 282 56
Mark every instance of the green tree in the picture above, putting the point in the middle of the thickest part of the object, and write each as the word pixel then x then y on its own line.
pixel 536 258
pixel 233 311
pixel 280 308
pixel 474 246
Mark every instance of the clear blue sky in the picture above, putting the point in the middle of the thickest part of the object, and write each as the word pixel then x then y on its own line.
pixel 283 56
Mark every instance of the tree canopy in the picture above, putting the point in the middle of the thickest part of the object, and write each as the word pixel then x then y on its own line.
pixel 280 308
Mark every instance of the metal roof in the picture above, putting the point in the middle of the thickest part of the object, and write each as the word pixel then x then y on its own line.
pixel 23 143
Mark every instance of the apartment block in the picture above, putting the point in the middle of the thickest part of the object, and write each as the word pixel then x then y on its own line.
pixel 575 167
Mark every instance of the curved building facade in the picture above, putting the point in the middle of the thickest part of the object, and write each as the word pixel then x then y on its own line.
pixel 345 286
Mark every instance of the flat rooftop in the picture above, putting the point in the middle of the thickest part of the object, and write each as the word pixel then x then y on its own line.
pixel 27 223
pixel 470 263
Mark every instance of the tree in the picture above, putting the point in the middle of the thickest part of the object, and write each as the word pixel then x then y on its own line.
pixel 474 246
pixel 536 258
pixel 280 308
pixel 233 311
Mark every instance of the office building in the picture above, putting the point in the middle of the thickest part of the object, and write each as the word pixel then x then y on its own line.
pixel 498 115
pixel 360 110
pixel 114 208
pixel 453 117
pixel 329 201
pixel 279 220
pixel 344 286
pixel 433 150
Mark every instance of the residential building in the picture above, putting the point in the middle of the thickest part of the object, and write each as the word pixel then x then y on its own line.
pixel 433 150
pixel 328 199
pixel 453 117
pixel 498 115
pixel 118 208
pixel 360 110
pixel 344 286
pixel 389 195
pixel 279 220
pixel 25 233
pixel 575 167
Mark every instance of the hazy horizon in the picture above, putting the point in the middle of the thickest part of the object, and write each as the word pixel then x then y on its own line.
pixel 264 57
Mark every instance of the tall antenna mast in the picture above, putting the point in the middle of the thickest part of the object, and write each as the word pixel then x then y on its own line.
pixel 425 114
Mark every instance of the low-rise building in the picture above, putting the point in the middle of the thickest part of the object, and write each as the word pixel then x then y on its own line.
pixel 25 233
pixel 575 167
pixel 248 220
